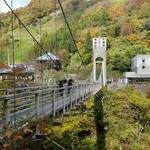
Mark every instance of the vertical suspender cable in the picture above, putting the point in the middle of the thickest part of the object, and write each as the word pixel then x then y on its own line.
pixel 1 53
pixel 14 70
pixel 1 43
pixel 42 54
pixel 55 26
pixel 56 37
pixel 27 30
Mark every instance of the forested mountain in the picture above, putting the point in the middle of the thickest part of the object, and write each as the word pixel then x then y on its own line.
pixel 125 23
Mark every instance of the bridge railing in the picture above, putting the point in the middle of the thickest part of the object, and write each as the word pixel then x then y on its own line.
pixel 21 105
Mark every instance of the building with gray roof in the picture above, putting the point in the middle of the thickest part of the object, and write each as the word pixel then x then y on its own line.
pixel 49 61
pixel 140 68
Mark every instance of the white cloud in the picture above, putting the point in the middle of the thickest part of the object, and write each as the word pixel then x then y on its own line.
pixel 16 4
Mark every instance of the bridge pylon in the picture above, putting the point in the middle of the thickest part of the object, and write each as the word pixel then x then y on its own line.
pixel 99 56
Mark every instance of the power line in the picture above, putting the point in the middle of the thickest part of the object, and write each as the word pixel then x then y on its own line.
pixel 26 29
pixel 65 19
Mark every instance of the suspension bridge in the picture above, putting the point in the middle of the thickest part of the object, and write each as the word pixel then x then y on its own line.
pixel 18 106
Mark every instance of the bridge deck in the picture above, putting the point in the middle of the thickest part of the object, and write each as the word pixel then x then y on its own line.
pixel 21 105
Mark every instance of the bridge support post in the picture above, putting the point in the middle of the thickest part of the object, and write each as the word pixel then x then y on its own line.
pixel 64 101
pixel 89 91
pixel 71 91
pixel 85 91
pixel 53 104
pixel 7 113
pixel 37 101
pixel 76 98
pixel 82 89
pixel 80 97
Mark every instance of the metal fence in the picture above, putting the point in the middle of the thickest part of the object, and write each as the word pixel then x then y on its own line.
pixel 20 105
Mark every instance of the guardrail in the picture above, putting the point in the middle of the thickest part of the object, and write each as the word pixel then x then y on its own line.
pixel 20 105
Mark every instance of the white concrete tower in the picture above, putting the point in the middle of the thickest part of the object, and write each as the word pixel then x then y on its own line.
pixel 99 51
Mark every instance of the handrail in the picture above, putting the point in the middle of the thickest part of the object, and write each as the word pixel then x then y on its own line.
pixel 41 101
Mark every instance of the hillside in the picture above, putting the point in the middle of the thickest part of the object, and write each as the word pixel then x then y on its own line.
pixel 125 23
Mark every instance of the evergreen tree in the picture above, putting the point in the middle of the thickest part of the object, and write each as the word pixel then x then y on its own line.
pixel 88 43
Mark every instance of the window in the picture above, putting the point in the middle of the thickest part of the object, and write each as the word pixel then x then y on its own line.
pixel 143 67
pixel 143 60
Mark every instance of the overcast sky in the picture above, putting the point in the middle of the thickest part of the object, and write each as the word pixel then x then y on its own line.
pixel 16 4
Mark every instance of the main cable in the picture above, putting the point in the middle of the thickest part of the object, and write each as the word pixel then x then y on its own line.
pixel 65 19
pixel 27 29
pixel 20 42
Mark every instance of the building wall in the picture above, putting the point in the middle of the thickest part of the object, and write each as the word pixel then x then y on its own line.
pixel 141 64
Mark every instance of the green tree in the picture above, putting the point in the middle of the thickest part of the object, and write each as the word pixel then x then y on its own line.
pixel 88 43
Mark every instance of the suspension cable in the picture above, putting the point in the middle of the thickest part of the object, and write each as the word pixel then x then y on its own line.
pixel 27 29
pixel 40 18
pixel 1 55
pixel 41 65
pixel 73 39
pixel 20 36
pixel 14 70
pixel 56 38
pixel 1 34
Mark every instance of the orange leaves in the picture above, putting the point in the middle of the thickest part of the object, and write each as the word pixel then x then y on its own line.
pixel 8 142
pixel 3 65
pixel 127 27
pixel 15 138
pixel 20 68
pixel 116 11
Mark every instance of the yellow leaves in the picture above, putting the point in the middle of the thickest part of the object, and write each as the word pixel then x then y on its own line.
pixel 7 134
pixel 138 39
pixel 94 31
pixel 66 127
pixel 5 145
pixel 117 10
pixel 47 130
pixel 134 37
pixel 145 42
pixel 121 95
pixel 27 130
pixel 19 137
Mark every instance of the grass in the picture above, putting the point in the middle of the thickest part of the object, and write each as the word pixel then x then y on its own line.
pixel 23 43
